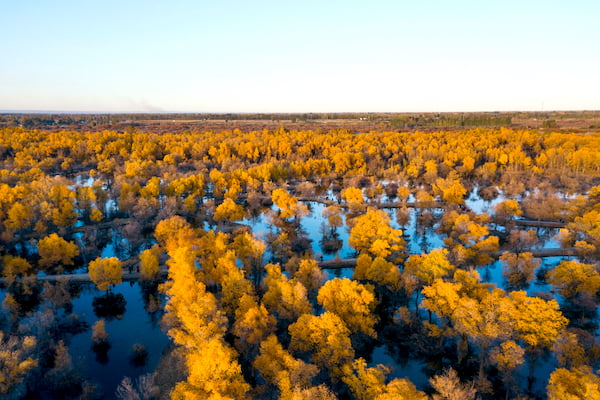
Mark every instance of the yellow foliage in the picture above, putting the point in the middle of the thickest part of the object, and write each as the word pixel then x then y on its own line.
pixel 572 278
pixel 279 368
pixel 230 211
pixel 105 272
pixel 365 383
pixel 353 302
pixel 577 384
pixel 429 267
pixel 286 299
pixel 149 259
pixel 538 322
pixel 99 334
pixel 54 250
pixel 15 361
pixel 285 202
pixel 378 271
pixel 372 233
pixel 327 339
pixel 214 373
pixel 173 233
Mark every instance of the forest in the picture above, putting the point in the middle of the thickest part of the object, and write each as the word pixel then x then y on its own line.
pixel 298 264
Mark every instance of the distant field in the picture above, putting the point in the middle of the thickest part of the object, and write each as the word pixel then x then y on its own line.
pixel 580 121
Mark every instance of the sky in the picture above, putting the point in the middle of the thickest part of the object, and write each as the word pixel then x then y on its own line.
pixel 300 56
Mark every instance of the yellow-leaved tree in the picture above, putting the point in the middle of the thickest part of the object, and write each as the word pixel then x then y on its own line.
pixel 287 299
pixel 576 384
pixel 56 252
pixel 279 368
pixel 197 324
pixel 149 263
pixel 230 211
pixel 105 272
pixel 373 234
pixel 327 339
pixel 16 362
pixel 353 302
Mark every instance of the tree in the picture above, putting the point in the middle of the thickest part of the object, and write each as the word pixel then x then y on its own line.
pixel 19 217
pixel 288 205
pixel 451 189
pixel 518 269
pixel 507 357
pixel 365 383
pixel 484 322
pixel 569 352
pixel 354 198
pixel 520 241
pixel 144 388
pixel 378 271
pixel 54 251
pixel 230 211
pixel 442 298
pixel 537 322
pixel 214 373
pixel 429 267
pixel 576 384
pixel 401 389
pixel 279 368
pixel 253 323
pixel 174 232
pixel 14 267
pixel 149 263
pixel 310 275
pixel 105 272
pixel 99 335
pixel 325 338
pixel 449 387
pixel 233 283
pixel 572 278
pixel 334 217
pixel 249 251
pixel 506 211
pixel 64 213
pixel 468 239
pixel 372 234
pixel 287 299
pixel 197 324
pixel 192 313
pixel 353 302
pixel 15 362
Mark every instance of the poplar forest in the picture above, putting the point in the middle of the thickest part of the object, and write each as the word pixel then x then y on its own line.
pixel 285 263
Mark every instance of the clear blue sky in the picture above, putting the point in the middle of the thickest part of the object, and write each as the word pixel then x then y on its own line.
pixel 300 56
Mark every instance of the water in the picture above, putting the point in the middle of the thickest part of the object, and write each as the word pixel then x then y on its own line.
pixel 414 370
pixel 135 326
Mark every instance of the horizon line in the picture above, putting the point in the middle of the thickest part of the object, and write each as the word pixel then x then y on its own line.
pixel 139 112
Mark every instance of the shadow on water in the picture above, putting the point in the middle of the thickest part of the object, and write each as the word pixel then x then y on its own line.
pixel 109 306
pixel 135 340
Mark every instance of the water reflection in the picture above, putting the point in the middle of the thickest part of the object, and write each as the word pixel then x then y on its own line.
pixel 109 306
pixel 108 364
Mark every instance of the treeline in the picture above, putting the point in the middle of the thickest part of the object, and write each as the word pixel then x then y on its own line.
pixel 451 120
pixel 391 120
